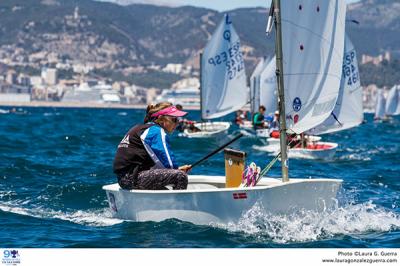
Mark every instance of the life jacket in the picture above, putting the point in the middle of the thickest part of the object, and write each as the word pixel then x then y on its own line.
pixel 274 134
pixel 131 151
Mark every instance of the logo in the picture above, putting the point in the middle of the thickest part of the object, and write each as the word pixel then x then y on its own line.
pixel 10 257
pixel 124 142
pixel 227 35
pixel 296 104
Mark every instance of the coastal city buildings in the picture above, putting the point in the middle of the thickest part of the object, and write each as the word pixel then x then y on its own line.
pixel 21 87
pixel 76 65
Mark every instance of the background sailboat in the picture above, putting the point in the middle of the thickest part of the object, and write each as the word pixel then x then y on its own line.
pixel 254 95
pixel 312 65
pixel 223 79
pixel 348 111
pixel 262 89
pixel 393 101
pixel 268 95
pixel 255 85
pixel 380 106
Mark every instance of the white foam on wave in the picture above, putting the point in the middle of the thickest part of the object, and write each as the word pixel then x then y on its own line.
pixel 247 133
pixel 355 157
pixel 267 148
pixel 365 153
pixel 97 217
pixel 51 114
pixel 352 219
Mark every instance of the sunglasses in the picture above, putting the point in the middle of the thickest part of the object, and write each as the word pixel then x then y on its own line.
pixel 173 119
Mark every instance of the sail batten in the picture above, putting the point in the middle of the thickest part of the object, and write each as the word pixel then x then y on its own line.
pixel 223 75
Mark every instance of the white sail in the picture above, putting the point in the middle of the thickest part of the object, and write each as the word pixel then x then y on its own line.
pixel 223 86
pixel 393 101
pixel 255 86
pixel 380 105
pixel 268 90
pixel 313 45
pixel 348 110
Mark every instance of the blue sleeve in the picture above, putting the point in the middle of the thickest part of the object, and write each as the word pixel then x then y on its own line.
pixel 158 143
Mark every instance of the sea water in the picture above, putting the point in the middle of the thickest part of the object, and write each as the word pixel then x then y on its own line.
pixel 54 163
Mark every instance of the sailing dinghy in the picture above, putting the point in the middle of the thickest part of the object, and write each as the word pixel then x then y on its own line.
pixel 380 105
pixel 393 101
pixel 318 26
pixel 348 111
pixel 267 96
pixel 223 87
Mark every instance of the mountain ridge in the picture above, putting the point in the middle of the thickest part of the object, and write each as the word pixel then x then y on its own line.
pixel 141 34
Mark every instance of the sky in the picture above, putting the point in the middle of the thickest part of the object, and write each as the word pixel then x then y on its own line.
pixel 220 5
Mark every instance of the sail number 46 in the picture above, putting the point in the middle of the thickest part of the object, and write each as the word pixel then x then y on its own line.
pixel 350 72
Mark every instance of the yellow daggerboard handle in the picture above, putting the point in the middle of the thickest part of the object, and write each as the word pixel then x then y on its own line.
pixel 234 167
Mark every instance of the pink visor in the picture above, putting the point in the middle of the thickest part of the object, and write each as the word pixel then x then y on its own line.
pixel 171 111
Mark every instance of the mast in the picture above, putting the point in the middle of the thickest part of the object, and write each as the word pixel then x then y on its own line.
pixel 279 78
pixel 201 86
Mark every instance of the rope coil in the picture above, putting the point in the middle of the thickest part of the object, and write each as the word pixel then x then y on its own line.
pixel 251 175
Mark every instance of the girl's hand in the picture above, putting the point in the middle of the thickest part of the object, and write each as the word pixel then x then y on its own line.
pixel 186 168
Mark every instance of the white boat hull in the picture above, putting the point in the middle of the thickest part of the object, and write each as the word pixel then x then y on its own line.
pixel 246 125
pixel 206 201
pixel 322 151
pixel 208 129
pixel 276 141
pixel 326 152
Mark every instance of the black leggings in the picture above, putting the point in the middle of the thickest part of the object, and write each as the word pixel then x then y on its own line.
pixel 154 179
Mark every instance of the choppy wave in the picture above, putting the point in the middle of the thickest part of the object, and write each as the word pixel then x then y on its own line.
pixel 54 162
pixel 305 226
pixel 97 217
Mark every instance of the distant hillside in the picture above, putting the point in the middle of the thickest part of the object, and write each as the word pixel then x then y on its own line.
pixel 379 28
pixel 144 34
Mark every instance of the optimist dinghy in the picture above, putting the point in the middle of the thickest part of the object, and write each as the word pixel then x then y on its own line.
pixel 314 149
pixel 393 101
pixel 264 92
pixel 380 114
pixel 319 45
pixel 348 113
pixel 208 201
pixel 208 129
pixel 223 88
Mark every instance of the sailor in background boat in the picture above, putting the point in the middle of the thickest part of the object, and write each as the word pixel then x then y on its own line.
pixel 144 160
pixel 184 123
pixel 181 121
pixel 241 117
pixel 274 126
pixel 258 118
